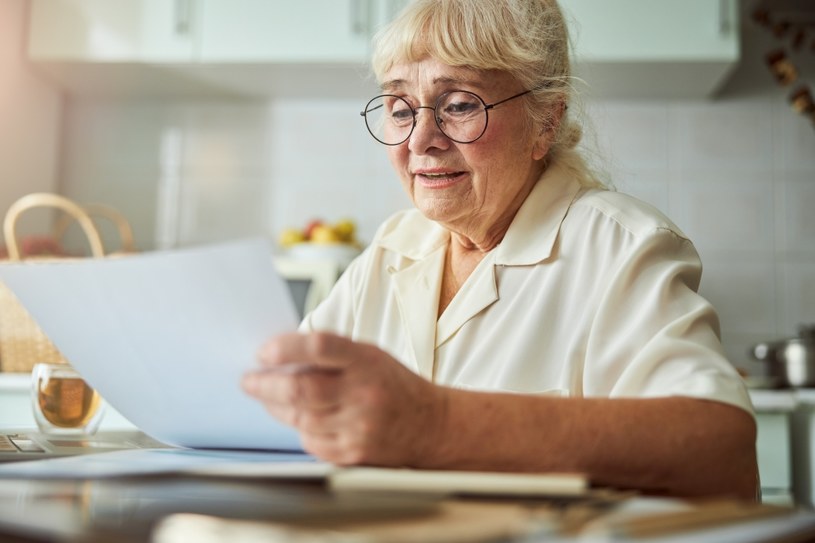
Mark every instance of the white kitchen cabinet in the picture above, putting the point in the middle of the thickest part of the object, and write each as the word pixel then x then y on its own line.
pixel 208 31
pixel 803 453
pixel 623 49
pixel 642 48
pixel 645 30
pixel 205 48
pixel 112 30
pixel 246 31
pixel 263 31
pixel 774 410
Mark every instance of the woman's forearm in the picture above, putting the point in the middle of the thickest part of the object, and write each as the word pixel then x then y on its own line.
pixel 678 446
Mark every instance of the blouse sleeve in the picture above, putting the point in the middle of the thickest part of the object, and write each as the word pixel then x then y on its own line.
pixel 653 334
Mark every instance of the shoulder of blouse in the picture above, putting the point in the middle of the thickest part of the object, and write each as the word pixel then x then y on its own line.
pixel 636 216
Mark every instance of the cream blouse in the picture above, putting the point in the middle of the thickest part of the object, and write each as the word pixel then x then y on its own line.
pixel 591 293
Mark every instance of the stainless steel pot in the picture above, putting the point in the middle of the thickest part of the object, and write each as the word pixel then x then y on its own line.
pixel 790 362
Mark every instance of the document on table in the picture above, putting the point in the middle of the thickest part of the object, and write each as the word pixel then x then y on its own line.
pixel 255 465
pixel 139 462
pixel 166 336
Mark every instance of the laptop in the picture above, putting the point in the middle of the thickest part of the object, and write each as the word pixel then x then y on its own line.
pixel 21 445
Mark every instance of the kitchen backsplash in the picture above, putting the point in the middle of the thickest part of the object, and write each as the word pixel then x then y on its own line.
pixel 738 176
pixel 736 173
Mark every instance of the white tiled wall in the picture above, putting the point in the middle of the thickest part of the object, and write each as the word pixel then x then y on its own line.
pixel 736 173
pixel 738 176
pixel 29 113
pixel 245 168
pixel 327 166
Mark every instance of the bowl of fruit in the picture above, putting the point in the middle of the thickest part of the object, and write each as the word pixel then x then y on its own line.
pixel 319 239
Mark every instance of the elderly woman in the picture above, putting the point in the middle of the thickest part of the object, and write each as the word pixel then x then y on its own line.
pixel 521 318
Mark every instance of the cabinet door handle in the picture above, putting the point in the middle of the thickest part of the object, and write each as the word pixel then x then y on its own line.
pixel 183 17
pixel 725 17
pixel 360 17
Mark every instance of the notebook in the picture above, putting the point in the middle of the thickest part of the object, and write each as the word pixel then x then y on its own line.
pixel 265 465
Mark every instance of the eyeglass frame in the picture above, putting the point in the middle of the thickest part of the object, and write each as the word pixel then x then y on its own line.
pixel 436 118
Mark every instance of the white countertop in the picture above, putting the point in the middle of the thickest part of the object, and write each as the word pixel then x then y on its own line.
pixel 14 382
pixel 782 399
pixel 764 400
pixel 15 405
pixel 773 400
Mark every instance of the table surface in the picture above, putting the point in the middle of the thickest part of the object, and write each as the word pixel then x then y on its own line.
pixel 175 509
pixel 129 509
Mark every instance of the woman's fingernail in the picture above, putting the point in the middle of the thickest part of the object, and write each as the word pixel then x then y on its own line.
pixel 249 384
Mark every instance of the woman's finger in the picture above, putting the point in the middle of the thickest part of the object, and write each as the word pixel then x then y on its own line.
pixel 332 448
pixel 305 352
pixel 303 390
pixel 311 422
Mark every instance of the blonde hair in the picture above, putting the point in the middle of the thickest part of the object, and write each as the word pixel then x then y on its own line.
pixel 526 38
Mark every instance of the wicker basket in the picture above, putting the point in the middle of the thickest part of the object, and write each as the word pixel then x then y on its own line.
pixel 22 343
pixel 100 211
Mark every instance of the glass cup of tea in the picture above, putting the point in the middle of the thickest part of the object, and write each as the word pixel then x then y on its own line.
pixel 64 404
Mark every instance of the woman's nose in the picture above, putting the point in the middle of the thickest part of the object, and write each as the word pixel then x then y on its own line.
pixel 426 134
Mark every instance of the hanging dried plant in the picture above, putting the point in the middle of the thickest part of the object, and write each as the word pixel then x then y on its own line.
pixel 779 62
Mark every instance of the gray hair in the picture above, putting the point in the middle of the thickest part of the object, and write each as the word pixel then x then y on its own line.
pixel 528 39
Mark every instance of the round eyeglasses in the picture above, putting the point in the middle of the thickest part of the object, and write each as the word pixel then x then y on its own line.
pixel 462 116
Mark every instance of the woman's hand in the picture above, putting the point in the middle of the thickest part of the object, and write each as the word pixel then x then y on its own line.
pixel 351 402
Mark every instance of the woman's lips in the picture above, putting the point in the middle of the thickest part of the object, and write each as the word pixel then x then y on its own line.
pixel 437 179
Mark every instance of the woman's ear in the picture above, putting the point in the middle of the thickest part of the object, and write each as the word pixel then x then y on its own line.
pixel 548 131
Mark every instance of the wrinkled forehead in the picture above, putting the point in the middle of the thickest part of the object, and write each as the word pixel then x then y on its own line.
pixel 430 73
pixel 427 71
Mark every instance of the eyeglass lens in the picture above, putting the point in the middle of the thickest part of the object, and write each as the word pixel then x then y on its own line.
pixel 460 115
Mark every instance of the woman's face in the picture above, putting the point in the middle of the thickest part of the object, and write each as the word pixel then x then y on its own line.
pixel 473 189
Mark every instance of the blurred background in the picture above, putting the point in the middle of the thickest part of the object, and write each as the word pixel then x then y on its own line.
pixel 206 120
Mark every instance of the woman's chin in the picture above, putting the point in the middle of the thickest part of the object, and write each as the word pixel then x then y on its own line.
pixel 441 210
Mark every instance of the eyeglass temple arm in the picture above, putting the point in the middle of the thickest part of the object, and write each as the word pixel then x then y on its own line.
pixel 363 113
pixel 490 106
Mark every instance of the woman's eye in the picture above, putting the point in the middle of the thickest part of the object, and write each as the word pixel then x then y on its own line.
pixel 402 115
pixel 460 108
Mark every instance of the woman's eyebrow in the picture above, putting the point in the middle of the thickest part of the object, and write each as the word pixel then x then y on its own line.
pixel 470 81
pixel 391 84
pixel 395 84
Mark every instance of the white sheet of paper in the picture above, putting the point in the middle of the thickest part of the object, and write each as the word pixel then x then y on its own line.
pixel 137 462
pixel 165 337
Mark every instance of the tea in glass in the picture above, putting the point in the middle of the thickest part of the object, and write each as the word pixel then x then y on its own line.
pixel 64 404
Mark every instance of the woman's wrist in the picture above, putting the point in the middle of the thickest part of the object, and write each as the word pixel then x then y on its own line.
pixel 431 446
